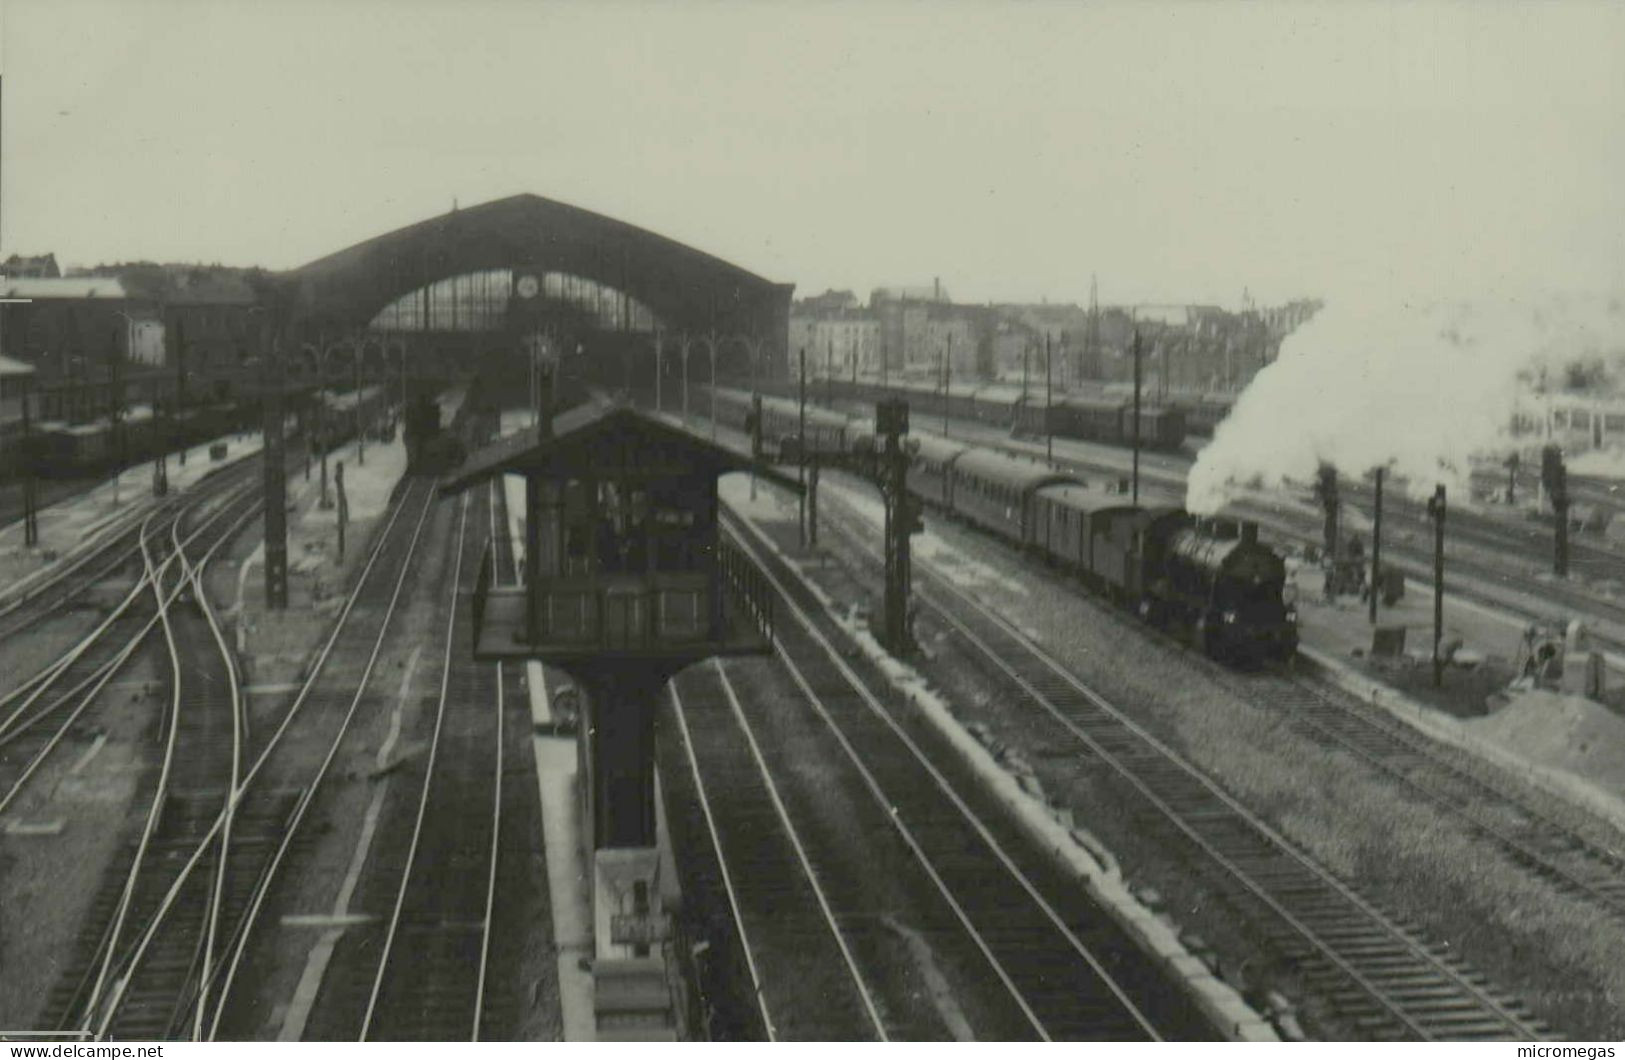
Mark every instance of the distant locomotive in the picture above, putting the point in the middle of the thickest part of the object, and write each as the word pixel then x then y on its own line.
pixel 431 448
pixel 1213 577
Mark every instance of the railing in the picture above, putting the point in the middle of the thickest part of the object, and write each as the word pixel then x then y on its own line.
pixel 748 587
pixel 482 589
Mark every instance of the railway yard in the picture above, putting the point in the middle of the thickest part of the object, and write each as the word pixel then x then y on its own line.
pixel 705 523
pixel 1051 821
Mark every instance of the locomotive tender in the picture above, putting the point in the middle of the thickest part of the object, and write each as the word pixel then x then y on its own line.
pixel 1212 576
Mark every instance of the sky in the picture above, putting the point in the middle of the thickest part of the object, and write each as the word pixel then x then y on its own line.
pixel 1179 152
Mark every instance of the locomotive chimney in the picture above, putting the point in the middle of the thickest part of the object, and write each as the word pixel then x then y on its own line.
pixel 1249 532
pixel 1122 485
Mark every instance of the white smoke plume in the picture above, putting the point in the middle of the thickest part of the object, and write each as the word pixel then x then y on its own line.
pixel 1420 389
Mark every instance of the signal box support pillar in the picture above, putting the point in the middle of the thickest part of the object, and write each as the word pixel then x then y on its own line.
pixel 618 752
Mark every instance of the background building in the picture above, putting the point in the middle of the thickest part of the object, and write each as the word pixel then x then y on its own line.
pixel 144 332
pixel 911 331
pixel 39 267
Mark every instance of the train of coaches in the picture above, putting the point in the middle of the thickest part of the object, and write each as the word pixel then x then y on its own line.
pixel 1210 576
pixel 1105 416
pixel 63 450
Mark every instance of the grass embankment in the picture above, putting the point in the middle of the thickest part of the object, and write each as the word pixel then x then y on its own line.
pixel 1422 865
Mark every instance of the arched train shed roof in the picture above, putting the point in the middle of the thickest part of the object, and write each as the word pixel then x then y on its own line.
pixel 686 289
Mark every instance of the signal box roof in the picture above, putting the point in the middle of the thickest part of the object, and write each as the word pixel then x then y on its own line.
pixel 607 439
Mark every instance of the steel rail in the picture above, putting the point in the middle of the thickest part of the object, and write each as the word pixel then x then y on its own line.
pixel 423 796
pixel 496 809
pixel 783 812
pixel 206 842
pixel 34 687
pixel 878 791
pixel 154 577
pixel 727 876
pixel 239 945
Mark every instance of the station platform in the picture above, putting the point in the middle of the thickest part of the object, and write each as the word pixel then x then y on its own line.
pixel 1568 744
pixel 83 520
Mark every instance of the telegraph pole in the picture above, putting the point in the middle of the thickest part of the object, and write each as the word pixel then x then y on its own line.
pixel 326 501
pixel 885 360
pixel 276 483
pixel 829 376
pixel 1436 508
pixel 947 380
pixel 801 447
pixel 180 380
pixel 1554 477
pixel 902 520
pixel 403 377
pixel 1326 491
pixel 1026 355
pixel 1376 544
pixel 30 501
pixel 115 400
pixel 812 503
pixel 755 439
pixel 1049 404
pixel 160 465
pixel 360 432
pixel 344 505
pixel 1136 465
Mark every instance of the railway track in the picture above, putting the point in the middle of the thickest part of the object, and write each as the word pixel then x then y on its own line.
pixel 1376 974
pixel 814 989
pixel 519 882
pixel 1570 861
pixel 1032 936
pixel 325 707
pixel 26 603
pixel 201 745
pixel 431 983
pixel 40 715
pixel 180 928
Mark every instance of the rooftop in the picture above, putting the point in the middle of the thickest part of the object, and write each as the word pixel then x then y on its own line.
pixel 74 287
